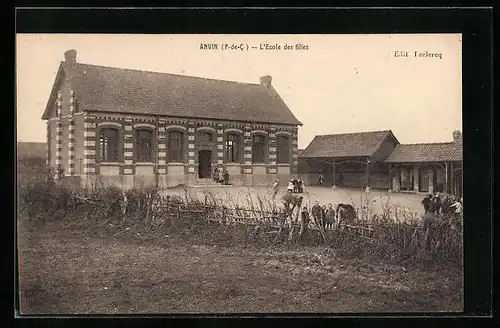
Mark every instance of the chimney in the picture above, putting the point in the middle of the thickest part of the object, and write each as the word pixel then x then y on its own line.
pixel 69 63
pixel 457 136
pixel 70 58
pixel 266 81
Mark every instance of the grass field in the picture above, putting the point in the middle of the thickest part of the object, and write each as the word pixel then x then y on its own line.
pixel 75 270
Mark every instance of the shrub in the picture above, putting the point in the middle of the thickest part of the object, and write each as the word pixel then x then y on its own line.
pixel 392 234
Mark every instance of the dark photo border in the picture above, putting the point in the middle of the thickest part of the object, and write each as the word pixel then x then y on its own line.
pixel 475 24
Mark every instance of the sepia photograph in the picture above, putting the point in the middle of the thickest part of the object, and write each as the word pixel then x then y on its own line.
pixel 239 173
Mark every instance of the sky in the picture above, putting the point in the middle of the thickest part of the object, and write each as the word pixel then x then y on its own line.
pixel 339 84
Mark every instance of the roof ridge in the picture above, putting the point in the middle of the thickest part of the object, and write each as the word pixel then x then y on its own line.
pixel 428 143
pixel 350 133
pixel 171 74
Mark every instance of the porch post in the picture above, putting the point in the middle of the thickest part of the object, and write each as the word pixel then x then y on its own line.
pixel 367 175
pixel 390 177
pixel 445 177
pixel 430 172
pixel 416 178
pixel 334 174
pixel 452 179
pixel 396 183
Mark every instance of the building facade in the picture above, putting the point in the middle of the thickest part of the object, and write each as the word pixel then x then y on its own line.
pixel 428 167
pixel 349 159
pixel 378 160
pixel 134 128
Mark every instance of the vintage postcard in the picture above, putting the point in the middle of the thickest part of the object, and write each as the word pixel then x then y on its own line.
pixel 165 174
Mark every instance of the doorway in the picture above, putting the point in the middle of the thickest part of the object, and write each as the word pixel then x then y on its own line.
pixel 204 164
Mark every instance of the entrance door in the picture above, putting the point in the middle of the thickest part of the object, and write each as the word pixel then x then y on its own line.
pixel 423 185
pixel 204 164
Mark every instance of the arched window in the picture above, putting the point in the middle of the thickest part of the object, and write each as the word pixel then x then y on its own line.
pixel 144 145
pixel 258 148
pixel 175 146
pixel 283 149
pixel 108 145
pixel 205 136
pixel 233 148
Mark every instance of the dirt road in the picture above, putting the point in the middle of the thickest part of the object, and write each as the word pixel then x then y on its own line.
pixel 378 199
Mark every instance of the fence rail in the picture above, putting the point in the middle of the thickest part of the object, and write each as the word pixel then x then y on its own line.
pixel 146 208
pixel 226 216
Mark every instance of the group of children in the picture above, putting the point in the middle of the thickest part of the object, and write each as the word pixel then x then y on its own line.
pixel 446 204
pixel 322 215
pixel 221 176
pixel 294 185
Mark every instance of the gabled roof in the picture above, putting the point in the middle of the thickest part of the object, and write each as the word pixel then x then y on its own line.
pixel 360 144
pixel 117 90
pixel 426 152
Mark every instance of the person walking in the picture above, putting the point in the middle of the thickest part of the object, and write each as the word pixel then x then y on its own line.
pixel 321 179
pixel 226 177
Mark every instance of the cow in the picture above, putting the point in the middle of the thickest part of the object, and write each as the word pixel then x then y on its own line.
pixel 426 202
pixel 436 204
pixel 345 214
